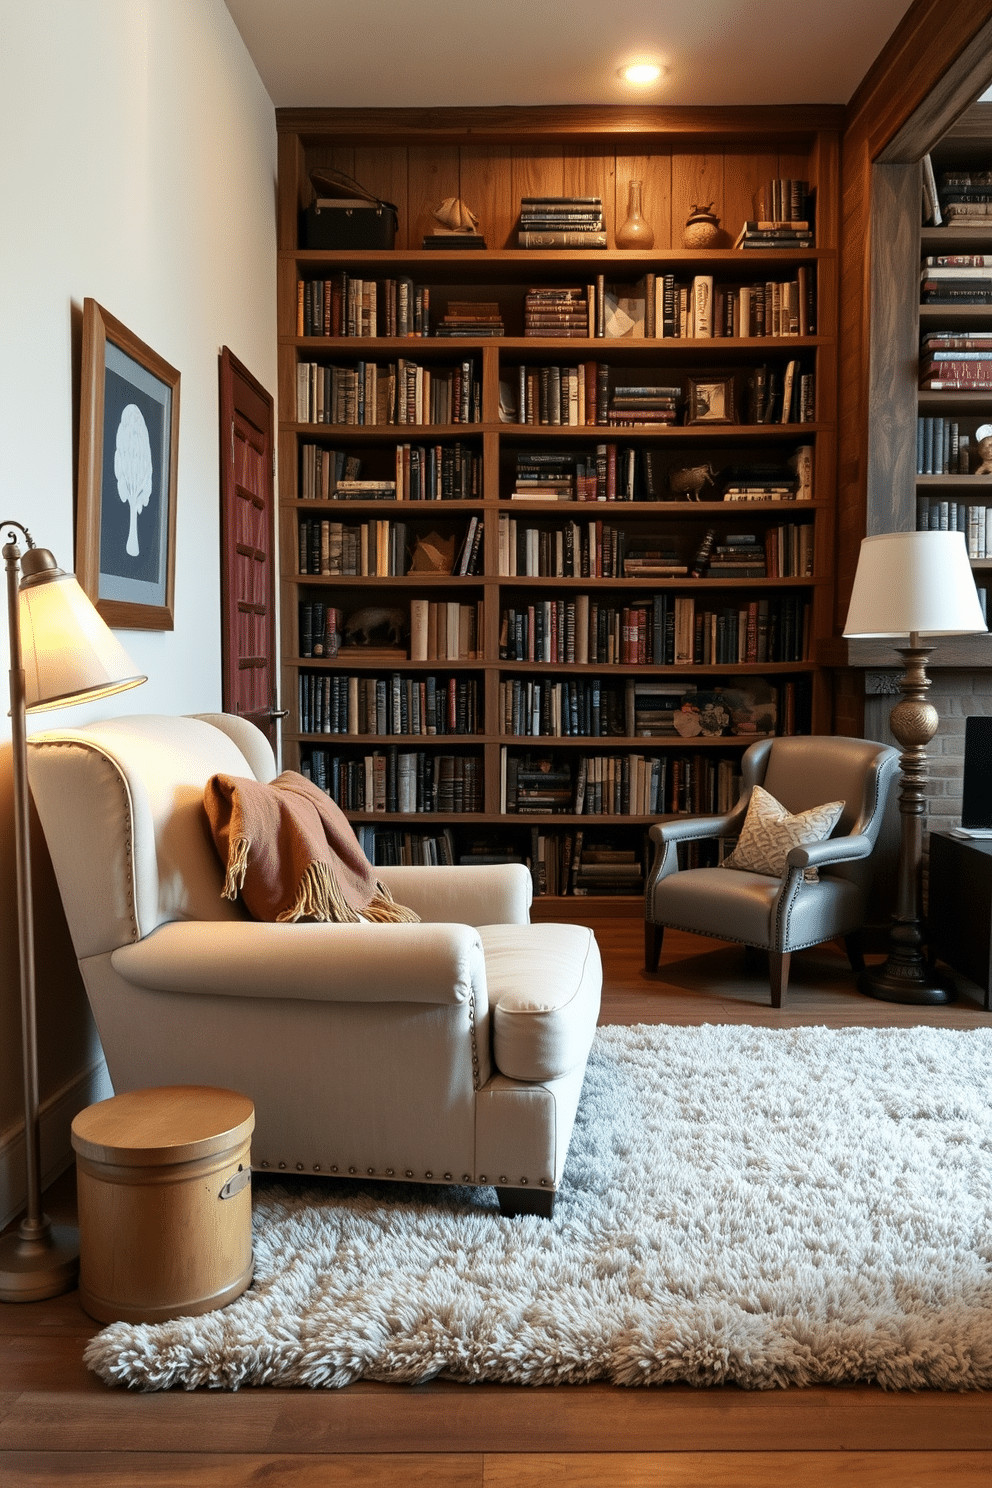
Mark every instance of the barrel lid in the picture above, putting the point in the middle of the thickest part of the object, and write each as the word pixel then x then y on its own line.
pixel 165 1124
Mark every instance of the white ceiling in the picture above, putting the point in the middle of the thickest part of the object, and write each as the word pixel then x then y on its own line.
pixel 418 53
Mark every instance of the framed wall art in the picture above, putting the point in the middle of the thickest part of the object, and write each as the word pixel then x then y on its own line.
pixel 711 400
pixel 128 463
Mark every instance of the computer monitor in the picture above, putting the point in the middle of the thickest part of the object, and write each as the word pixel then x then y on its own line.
pixel 976 805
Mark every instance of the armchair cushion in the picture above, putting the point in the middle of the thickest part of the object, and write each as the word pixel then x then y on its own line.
pixel 291 852
pixel 544 983
pixel 770 832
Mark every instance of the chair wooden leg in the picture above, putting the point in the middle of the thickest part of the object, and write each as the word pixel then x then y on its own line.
pixel 653 937
pixel 854 946
pixel 516 1201
pixel 778 975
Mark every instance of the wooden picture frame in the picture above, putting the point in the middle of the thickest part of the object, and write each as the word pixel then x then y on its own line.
pixel 128 469
pixel 711 400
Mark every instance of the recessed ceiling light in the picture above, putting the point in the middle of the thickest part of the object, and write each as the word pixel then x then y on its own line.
pixel 641 73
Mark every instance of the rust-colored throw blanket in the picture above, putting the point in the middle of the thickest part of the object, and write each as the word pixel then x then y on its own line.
pixel 291 853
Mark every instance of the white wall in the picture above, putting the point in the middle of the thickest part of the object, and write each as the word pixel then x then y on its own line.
pixel 139 163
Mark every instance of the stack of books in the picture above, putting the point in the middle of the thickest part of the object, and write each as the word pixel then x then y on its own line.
pixel 757 483
pixel 561 222
pixel 608 871
pixel 961 279
pixel 650 707
pixel 966 198
pixel 739 556
pixel 644 405
pixel 544 475
pixel 956 361
pixel 654 559
pixel 559 312
pixel 471 318
pixel 781 217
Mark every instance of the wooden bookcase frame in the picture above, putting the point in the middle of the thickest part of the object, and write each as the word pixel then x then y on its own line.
pixel 490 157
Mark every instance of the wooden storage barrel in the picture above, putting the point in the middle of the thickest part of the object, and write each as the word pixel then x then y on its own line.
pixel 164 1181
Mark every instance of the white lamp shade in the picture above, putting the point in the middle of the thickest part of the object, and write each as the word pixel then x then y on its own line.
pixel 914 582
pixel 69 653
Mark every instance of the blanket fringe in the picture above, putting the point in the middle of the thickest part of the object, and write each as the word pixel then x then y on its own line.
pixel 382 908
pixel 319 898
pixel 237 867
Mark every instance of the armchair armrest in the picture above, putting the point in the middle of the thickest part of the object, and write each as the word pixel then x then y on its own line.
pixel 833 850
pixel 312 962
pixel 490 894
pixel 692 828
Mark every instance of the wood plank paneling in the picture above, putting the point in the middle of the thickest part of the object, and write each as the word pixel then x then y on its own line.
pixel 743 176
pixel 485 187
pixel 433 175
pixel 536 171
pixel 656 173
pixel 696 181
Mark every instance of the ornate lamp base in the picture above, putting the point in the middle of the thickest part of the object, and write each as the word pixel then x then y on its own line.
pixel 905 975
pixel 890 983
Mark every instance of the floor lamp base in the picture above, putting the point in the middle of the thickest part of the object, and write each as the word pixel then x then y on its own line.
pixel 917 984
pixel 34 1268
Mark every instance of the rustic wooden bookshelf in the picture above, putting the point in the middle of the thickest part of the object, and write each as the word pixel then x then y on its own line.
pixel 490 158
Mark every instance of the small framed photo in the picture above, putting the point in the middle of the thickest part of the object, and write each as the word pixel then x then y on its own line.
pixel 711 400
pixel 128 462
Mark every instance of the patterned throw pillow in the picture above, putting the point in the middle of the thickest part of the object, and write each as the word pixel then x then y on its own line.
pixel 770 832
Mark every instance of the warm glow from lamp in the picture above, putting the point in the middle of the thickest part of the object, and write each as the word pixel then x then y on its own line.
pixel 70 655
pixel 642 74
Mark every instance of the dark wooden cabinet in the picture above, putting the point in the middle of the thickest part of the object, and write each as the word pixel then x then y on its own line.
pixel 960 907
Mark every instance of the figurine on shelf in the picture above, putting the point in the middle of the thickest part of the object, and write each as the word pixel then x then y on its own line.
pixel 984 436
pixel 456 228
pixel 702 228
pixel 690 480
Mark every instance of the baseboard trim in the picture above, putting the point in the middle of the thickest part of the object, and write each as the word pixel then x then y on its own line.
pixel 57 1111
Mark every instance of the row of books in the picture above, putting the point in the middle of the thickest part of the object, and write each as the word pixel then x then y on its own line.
pixel 342 703
pixel 626 784
pixel 663 707
pixel 668 630
pixel 657 306
pixel 967 517
pixel 380 548
pixel 343 305
pixel 401 392
pixel 561 222
pixel 388 847
pixel 446 630
pixel 587 394
pixel 702 307
pixel 941 448
pixel 601 550
pixel 377 548
pixel 435 472
pixel 397 781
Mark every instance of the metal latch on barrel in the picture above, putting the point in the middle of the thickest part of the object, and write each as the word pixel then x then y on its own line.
pixel 234 1185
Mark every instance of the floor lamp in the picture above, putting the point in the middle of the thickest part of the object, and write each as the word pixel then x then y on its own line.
pixel 61 652
pixel 917 585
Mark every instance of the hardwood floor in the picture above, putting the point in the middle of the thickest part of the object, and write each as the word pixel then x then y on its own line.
pixel 58 1424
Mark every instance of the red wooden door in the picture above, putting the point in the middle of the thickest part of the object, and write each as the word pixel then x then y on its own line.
pixel 247 547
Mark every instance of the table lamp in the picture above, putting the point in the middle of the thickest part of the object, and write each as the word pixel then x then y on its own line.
pixel 917 585
pixel 61 652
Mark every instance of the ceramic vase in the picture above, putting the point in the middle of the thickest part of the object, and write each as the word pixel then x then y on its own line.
pixel 634 232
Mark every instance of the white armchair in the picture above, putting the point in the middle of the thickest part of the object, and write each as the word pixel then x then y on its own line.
pixel 450 1051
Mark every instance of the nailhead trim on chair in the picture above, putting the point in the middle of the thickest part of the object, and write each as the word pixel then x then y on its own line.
pixel 408 1173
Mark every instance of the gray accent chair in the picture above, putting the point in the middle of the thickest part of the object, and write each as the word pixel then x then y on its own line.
pixel 787 914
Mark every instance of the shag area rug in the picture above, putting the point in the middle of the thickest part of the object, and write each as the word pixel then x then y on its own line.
pixel 743 1205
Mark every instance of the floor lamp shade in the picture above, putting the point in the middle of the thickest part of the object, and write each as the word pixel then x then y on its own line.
pixel 911 586
pixel 61 652
pixel 69 654
pixel 914 582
